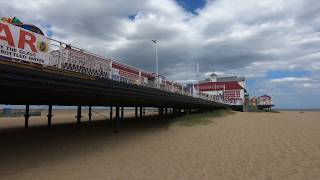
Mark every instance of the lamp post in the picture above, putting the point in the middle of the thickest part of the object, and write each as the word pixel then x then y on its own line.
pixel 198 71
pixel 157 65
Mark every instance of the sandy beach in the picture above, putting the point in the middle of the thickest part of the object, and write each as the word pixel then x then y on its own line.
pixel 246 146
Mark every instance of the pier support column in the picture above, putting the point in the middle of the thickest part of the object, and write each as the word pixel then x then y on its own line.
pixel 174 111
pixel 136 111
pixel 166 113
pixel 144 111
pixel 117 119
pixel 49 116
pixel 111 113
pixel 122 113
pixel 26 116
pixel 161 112
pixel 141 112
pixel 79 116
pixel 179 111
pixel 90 114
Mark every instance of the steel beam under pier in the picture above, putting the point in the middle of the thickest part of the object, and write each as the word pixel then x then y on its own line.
pixel 49 116
pixel 26 116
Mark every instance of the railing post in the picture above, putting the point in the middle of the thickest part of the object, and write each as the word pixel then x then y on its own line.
pixel 111 69
pixel 61 55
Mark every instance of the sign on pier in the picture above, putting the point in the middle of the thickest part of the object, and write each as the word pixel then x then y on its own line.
pixel 18 43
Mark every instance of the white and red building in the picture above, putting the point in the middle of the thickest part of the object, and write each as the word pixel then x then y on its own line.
pixel 265 100
pixel 231 89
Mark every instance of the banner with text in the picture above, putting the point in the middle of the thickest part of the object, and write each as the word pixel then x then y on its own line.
pixel 18 43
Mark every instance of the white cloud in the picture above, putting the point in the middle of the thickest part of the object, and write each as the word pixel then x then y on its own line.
pixel 228 35
pixel 290 79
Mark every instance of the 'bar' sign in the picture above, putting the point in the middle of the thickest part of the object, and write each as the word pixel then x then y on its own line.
pixel 18 43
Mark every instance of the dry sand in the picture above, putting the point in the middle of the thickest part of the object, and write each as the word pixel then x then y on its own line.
pixel 260 146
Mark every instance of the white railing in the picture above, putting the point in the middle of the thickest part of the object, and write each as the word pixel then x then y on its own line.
pixel 80 62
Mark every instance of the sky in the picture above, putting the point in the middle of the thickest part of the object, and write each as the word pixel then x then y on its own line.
pixel 273 43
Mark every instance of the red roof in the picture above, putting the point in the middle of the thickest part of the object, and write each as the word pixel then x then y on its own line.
pixel 219 86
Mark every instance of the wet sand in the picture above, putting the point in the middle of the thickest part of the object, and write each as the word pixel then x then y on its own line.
pixel 260 146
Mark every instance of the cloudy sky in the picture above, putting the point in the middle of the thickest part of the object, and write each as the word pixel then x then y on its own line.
pixel 274 43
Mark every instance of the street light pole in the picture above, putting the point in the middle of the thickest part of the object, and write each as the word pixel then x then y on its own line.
pixel 157 65
pixel 198 71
